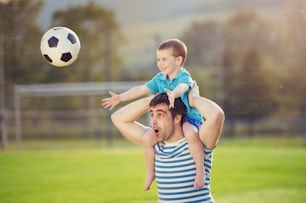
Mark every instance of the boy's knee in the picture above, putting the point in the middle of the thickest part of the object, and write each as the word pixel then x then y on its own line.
pixel 191 135
pixel 149 139
pixel 190 131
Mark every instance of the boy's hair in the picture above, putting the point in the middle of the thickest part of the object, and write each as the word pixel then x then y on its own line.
pixel 178 109
pixel 179 48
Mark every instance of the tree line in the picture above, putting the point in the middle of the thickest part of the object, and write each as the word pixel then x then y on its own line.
pixel 256 65
pixel 251 65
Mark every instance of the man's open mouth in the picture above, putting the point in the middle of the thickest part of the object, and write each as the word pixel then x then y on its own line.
pixel 156 131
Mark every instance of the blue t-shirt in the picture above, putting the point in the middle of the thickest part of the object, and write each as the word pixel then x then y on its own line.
pixel 160 81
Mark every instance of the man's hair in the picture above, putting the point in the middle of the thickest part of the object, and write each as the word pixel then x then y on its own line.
pixel 178 47
pixel 178 109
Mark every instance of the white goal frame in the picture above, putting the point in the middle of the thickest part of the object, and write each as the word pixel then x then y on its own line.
pixel 62 90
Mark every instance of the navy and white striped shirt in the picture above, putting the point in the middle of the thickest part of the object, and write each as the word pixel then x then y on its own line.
pixel 175 172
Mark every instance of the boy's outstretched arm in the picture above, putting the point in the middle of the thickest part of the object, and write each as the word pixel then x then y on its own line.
pixel 128 95
pixel 176 93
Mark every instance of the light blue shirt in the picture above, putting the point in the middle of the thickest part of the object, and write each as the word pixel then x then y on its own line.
pixel 160 81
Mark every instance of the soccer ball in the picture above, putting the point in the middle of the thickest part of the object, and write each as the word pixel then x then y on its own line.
pixel 60 46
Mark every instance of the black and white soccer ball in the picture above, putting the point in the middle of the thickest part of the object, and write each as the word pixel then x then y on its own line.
pixel 60 46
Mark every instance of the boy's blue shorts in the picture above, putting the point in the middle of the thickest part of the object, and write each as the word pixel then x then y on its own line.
pixel 193 122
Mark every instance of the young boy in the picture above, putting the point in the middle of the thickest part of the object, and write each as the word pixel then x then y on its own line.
pixel 176 82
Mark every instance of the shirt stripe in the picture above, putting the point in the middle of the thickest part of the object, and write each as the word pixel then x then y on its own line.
pixel 175 173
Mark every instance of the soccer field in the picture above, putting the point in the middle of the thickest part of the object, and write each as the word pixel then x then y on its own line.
pixel 245 170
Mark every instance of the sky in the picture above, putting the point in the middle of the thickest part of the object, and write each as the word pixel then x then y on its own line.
pixel 129 12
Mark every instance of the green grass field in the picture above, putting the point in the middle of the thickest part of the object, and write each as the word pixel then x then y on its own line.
pixel 245 170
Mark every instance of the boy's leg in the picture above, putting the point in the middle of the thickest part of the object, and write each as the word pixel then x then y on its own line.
pixel 149 141
pixel 197 152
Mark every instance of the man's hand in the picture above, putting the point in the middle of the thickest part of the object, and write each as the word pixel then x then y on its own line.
pixel 210 130
pixel 112 101
pixel 194 92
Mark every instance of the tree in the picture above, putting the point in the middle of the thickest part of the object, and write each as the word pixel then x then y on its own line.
pixel 205 43
pixel 292 40
pixel 99 35
pixel 16 26
pixel 250 94
pixel 247 91
pixel 19 42
pixel 247 40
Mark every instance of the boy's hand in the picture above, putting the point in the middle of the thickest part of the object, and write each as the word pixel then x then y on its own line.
pixel 171 98
pixel 112 101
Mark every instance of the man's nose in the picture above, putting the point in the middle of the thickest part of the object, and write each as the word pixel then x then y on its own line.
pixel 153 120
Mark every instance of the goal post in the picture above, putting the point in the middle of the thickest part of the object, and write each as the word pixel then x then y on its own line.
pixel 63 90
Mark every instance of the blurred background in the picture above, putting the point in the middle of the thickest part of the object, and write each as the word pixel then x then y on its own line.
pixel 247 56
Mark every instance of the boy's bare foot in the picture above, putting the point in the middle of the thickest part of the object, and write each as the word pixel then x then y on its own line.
pixel 199 180
pixel 149 180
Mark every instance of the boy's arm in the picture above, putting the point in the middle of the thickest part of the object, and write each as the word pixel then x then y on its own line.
pixel 125 120
pixel 178 91
pixel 130 94
pixel 210 130
pixel 134 93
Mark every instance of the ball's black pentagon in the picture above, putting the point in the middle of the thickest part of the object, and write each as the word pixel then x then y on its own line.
pixel 47 58
pixel 72 38
pixel 66 57
pixel 53 41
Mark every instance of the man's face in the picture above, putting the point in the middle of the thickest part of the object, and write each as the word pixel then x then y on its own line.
pixel 162 122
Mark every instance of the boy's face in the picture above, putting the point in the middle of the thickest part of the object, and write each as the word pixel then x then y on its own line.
pixel 167 63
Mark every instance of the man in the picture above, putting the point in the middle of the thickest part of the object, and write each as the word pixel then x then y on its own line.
pixel 174 166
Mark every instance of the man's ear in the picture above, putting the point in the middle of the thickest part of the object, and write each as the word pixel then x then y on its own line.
pixel 177 119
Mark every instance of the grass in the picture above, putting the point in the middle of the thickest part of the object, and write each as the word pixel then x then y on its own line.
pixel 244 170
pixel 265 170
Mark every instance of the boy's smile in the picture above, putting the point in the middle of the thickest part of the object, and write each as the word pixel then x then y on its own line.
pixel 167 63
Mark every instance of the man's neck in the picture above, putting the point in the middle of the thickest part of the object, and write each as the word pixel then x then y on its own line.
pixel 176 136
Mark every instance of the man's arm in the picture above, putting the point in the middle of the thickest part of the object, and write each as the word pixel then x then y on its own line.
pixel 125 120
pixel 211 129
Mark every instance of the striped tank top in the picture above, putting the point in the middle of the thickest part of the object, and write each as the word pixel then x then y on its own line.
pixel 175 173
